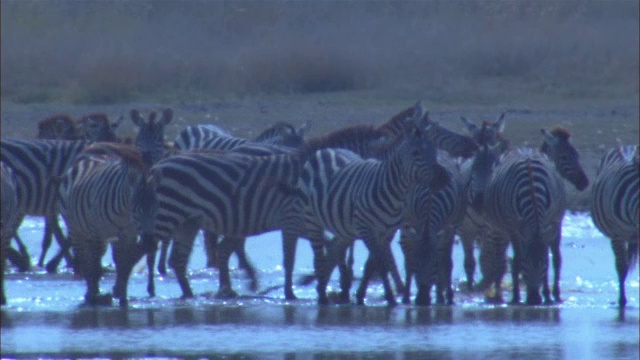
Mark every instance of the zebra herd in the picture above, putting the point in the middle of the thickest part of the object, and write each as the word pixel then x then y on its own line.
pixel 359 182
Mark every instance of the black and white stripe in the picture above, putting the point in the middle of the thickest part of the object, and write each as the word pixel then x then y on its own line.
pixel 36 164
pixel 524 203
pixel 233 195
pixel 96 197
pixel 431 219
pixel 364 200
pixel 614 208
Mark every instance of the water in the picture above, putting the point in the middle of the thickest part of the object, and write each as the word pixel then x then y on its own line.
pixel 44 316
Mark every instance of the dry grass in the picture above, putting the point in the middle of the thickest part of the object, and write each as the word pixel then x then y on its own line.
pixel 247 64
pixel 101 52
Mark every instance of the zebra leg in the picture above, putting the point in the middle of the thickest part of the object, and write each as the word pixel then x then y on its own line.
pixel 364 283
pixel 24 261
pixel 516 269
pixel 245 264
pixel 324 265
pixel 91 253
pixel 129 254
pixel 162 262
pixel 557 265
pixel 3 265
pixel 445 272
pixel 210 246
pixel 65 248
pixel 469 258
pixel 346 275
pixel 182 246
pixel 46 242
pixel 289 245
pixel 151 262
pixel 622 267
pixel 225 247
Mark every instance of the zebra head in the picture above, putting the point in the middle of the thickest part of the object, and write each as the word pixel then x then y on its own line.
pixel 150 138
pixel 556 145
pixel 283 133
pixel 57 127
pixel 444 139
pixel 481 170
pixel 97 127
pixel 420 157
pixel 490 133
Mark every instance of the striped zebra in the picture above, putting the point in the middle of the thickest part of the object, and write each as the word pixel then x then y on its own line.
pixel 96 196
pixel 233 195
pixel 36 164
pixel 93 127
pixel 474 228
pixel 213 137
pixel 10 217
pixel 614 208
pixel 366 141
pixel 524 203
pixel 431 219
pixel 150 138
pixel 364 200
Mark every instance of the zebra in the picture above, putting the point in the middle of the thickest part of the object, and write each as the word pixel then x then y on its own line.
pixel 213 137
pixel 474 228
pixel 10 217
pixel 524 204
pixel 614 208
pixel 210 136
pixel 150 137
pixel 35 164
pixel 93 127
pixel 363 200
pixel 431 219
pixel 95 199
pixel 234 195
pixel 193 136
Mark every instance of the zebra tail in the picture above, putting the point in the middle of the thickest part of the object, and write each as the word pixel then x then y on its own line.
pixel 632 253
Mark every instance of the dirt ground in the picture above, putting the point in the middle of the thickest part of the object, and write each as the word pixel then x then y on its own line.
pixel 596 126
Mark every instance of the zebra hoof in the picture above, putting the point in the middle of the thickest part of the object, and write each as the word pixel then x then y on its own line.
pixel 291 296
pixel 99 300
pixel 124 302
pixel 226 293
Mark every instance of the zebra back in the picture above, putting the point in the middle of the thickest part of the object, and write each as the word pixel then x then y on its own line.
pixel 193 136
pixel 282 133
pixel 37 166
pixel 233 194
pixel 96 192
pixel 614 196
pixel 150 138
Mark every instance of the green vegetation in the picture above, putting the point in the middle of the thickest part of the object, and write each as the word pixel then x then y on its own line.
pixel 108 52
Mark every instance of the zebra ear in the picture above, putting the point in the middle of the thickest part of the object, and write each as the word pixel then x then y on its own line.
pixel 117 122
pixel 167 115
pixel 304 127
pixel 548 137
pixel 471 127
pixel 499 124
pixel 137 119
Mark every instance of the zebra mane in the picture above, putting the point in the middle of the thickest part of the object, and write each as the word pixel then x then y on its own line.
pixel 127 153
pixel 561 133
pixel 335 139
pixel 395 125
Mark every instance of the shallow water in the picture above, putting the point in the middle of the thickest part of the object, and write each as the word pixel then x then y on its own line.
pixel 44 316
